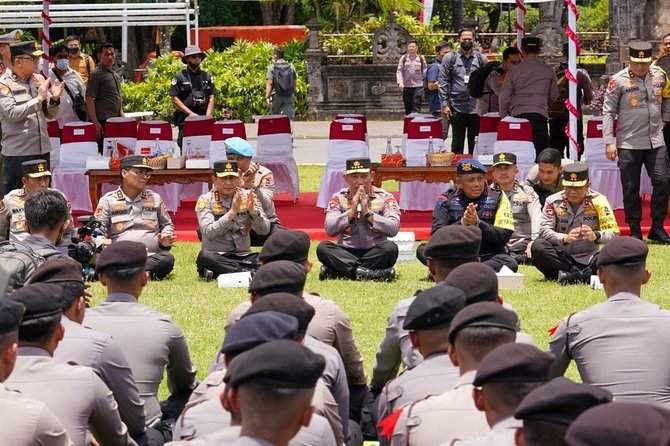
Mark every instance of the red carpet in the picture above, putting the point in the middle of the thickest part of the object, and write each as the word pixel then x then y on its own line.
pixel 305 216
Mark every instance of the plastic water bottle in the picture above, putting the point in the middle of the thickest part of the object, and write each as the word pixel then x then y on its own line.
pixel 389 147
pixel 109 149
pixel 475 150
pixel 157 147
pixel 430 151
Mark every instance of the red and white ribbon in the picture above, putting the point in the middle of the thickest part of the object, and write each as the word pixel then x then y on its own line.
pixel 46 40
pixel 571 75
pixel 519 22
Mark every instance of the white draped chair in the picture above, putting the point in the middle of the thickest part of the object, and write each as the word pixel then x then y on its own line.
pixel 120 130
pixel 54 138
pixel 274 150
pixel 78 143
pixel 197 135
pixel 361 118
pixel 515 136
pixel 156 136
pixel 405 125
pixel 488 134
pixel 221 131
pixel 346 140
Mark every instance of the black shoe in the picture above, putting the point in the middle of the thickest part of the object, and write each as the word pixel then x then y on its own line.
pixel 326 273
pixel 363 274
pixel 635 231
pixel 206 274
pixel 574 277
pixel 657 234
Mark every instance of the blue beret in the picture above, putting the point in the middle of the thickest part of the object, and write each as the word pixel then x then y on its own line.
pixel 239 146
pixel 257 329
pixel 469 165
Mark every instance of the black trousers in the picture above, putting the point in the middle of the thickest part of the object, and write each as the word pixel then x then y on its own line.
pixel 445 122
pixel 495 261
pixel 630 164
pixel 559 140
pixel 259 240
pixel 161 264
pixel 538 124
pixel 411 98
pixel 551 259
pixel 344 261
pixel 12 173
pixel 226 263
pixel 460 124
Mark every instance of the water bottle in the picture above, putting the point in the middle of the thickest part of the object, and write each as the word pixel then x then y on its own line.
pixel 430 151
pixel 389 147
pixel 475 150
pixel 108 149
pixel 157 147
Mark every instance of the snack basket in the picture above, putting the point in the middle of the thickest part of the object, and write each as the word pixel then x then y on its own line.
pixel 441 159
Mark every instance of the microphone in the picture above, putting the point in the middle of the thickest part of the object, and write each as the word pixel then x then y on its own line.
pixel 359 209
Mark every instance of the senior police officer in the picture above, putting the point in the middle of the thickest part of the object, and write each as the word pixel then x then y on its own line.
pixel 26 421
pixel 574 222
pixel 258 179
pixel 134 213
pixel 548 411
pixel 474 203
pixel 76 394
pixel 36 176
pixel 637 95
pixel 526 208
pixel 627 354
pixel 362 217
pixel 92 348
pixel 226 215
pixel 428 319
pixel 192 90
pixel 26 102
pixel 121 269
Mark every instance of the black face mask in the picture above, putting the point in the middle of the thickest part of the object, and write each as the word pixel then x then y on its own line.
pixel 193 67
pixel 73 50
pixel 466 45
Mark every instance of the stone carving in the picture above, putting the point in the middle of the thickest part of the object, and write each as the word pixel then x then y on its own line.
pixel 389 42
pixel 378 89
pixel 553 37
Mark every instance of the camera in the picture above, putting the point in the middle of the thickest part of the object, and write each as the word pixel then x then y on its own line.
pixel 82 248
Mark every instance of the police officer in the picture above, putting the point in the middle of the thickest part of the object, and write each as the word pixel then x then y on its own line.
pixel 474 203
pixel 132 212
pixel 36 177
pixel 526 208
pixel 192 90
pixel 574 222
pixel 26 102
pixel 258 179
pixel 545 176
pixel 121 269
pixel 362 217
pixel 637 95
pixel 528 90
pixel 598 331
pixel 26 421
pixel 428 319
pixel 548 411
pixel 5 53
pixel 226 215
pixel 504 377
pixel 79 397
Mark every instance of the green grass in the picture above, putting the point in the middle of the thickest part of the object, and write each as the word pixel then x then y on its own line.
pixel 310 179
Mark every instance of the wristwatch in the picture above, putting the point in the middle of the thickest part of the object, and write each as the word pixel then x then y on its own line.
pixel 54 102
pixel 368 215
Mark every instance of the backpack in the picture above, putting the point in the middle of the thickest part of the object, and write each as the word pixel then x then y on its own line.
pixel 478 78
pixel 283 79
pixel 17 263
pixel 557 110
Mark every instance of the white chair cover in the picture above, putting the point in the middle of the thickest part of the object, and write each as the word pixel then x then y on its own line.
pixel 488 134
pixel 361 118
pixel 77 145
pixel 221 131
pixel 346 140
pixel 120 131
pixel 155 133
pixel 515 136
pixel 197 139
pixel 405 124
pixel 274 150
pixel 419 195
pixel 54 139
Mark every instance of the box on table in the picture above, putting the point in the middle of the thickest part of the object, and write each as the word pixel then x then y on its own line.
pixel 98 163
pixel 197 163
pixel 507 279
pixel 177 162
pixel 234 280
pixel 405 242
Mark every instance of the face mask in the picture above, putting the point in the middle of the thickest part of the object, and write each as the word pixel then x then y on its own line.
pixel 62 64
pixel 466 45
pixel 193 66
pixel 73 50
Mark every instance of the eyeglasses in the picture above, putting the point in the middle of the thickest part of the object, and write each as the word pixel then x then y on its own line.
pixel 142 173
pixel 666 43
pixel 35 59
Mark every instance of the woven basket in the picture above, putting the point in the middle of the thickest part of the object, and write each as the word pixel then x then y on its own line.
pixel 158 162
pixel 441 159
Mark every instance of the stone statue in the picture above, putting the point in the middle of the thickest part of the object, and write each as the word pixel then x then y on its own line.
pixel 389 42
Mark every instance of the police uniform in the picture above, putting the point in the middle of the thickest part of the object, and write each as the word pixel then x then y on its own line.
pixel 559 217
pixel 163 346
pixel 639 104
pixel 363 250
pixel 617 344
pixel 526 210
pixel 495 218
pixel 142 219
pixel 541 189
pixel 433 309
pixel 12 208
pixel 24 123
pixel 9 38
pixel 225 241
pixel 193 88
pixel 76 394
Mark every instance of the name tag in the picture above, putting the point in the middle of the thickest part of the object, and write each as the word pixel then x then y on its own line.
pixel 515 126
pixel 78 132
pixel 226 131
pixel 155 131
pixel 347 128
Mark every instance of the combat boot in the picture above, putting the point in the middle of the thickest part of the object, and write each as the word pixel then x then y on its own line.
pixel 657 234
pixel 326 273
pixel 574 277
pixel 635 230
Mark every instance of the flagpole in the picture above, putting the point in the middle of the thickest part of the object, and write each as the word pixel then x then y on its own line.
pixel 571 75
pixel 46 41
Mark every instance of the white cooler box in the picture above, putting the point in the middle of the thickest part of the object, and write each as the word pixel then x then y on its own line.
pixel 234 280
pixel 405 242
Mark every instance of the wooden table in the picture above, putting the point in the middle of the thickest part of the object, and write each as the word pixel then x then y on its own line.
pixel 417 173
pixel 96 178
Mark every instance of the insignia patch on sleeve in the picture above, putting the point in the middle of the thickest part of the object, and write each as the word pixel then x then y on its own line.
pixel 4 90
pixel 611 86
pixel 202 203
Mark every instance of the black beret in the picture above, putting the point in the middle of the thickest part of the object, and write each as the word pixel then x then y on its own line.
pixel 285 303
pixel 483 314
pixel 514 363
pixel 121 255
pixel 620 424
pixel 277 364
pixel 477 280
pixel 434 308
pixel 285 245
pixel 40 300
pixel 136 161
pixel 282 276
pixel 11 313
pixel 62 269
pixel 456 242
pixel 623 251
pixel 560 401
pixel 256 329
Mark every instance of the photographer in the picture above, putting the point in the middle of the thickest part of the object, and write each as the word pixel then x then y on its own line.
pixel 47 220
pixel 72 98
pixel 192 90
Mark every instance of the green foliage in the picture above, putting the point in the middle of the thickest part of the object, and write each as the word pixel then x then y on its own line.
pixel 222 13
pixel 595 16
pixel 239 77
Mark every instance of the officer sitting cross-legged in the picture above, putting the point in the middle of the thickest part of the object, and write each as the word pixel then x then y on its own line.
pixel 362 217
pixel 226 215
pixel 134 213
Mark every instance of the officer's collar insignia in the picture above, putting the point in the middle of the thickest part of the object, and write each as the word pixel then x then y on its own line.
pixel 467 167
pixel 573 177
